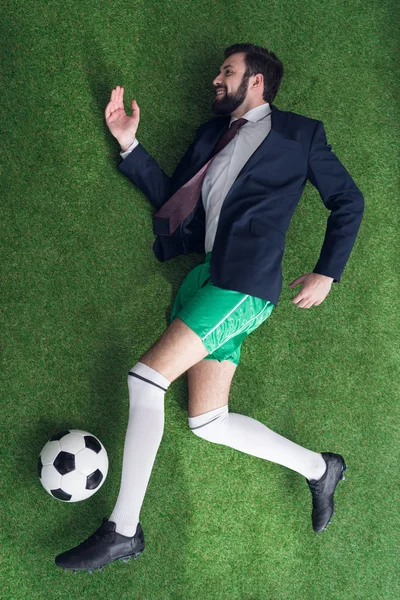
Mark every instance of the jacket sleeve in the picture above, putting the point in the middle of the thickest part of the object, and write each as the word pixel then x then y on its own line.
pixel 342 197
pixel 144 171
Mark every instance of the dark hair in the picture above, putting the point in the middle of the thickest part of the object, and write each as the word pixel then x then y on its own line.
pixel 260 60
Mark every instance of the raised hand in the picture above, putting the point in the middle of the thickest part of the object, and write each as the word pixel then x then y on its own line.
pixel 121 126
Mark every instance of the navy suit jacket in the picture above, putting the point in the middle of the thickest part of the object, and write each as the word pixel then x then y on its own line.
pixel 256 213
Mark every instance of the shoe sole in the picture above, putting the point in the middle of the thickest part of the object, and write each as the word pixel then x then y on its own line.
pixel 123 558
pixel 341 478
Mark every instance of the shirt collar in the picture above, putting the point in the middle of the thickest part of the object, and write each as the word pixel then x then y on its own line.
pixel 255 114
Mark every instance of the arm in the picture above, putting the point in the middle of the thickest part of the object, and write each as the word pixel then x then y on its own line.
pixel 125 153
pixel 143 171
pixel 139 166
pixel 342 197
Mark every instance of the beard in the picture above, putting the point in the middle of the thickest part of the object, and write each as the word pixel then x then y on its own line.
pixel 227 103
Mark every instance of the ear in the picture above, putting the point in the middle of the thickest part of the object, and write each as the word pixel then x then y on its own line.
pixel 259 80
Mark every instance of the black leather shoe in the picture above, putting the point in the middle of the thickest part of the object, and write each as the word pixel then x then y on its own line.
pixel 104 546
pixel 322 490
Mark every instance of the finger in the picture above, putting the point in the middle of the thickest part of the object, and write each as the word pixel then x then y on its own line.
pixel 303 301
pixel 135 109
pixel 297 281
pixel 121 97
pixel 109 109
pixel 303 304
pixel 116 96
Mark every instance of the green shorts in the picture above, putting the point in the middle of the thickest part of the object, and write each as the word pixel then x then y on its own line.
pixel 221 318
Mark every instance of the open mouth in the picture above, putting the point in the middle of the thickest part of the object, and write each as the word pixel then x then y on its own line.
pixel 220 92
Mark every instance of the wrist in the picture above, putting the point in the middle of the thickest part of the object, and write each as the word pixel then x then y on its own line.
pixel 124 147
pixel 325 276
pixel 125 144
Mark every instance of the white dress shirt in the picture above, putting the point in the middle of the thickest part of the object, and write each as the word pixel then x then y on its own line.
pixel 227 165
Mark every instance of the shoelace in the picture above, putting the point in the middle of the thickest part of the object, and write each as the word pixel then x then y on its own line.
pixel 315 487
pixel 98 536
pixel 315 492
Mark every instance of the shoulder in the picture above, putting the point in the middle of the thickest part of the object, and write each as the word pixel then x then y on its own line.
pixel 297 121
pixel 302 128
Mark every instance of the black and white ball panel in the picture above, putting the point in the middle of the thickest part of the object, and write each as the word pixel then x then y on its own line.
pixel 72 465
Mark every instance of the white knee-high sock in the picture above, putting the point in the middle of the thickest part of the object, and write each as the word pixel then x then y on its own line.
pixel 145 429
pixel 252 437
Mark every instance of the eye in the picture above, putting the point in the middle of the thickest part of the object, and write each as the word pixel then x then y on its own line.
pixel 228 71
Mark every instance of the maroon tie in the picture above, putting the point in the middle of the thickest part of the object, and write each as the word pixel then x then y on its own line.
pixel 184 201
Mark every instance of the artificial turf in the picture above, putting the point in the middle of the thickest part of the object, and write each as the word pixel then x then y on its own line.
pixel 83 296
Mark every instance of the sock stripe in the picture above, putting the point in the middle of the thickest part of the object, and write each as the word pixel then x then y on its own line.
pixel 148 380
pixel 204 424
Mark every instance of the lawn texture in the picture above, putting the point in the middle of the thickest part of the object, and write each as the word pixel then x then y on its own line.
pixel 83 297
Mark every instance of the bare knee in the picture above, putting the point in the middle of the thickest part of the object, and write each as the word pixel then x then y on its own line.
pixel 178 349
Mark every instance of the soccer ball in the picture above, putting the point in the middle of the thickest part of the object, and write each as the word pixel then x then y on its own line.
pixel 73 465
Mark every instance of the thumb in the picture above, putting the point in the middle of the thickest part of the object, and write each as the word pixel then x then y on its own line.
pixel 135 111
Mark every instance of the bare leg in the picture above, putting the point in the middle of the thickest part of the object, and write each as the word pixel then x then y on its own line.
pixel 175 351
pixel 209 382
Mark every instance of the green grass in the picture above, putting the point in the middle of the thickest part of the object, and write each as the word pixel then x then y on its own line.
pixel 83 296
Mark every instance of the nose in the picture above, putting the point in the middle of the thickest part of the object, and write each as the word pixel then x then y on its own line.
pixel 217 82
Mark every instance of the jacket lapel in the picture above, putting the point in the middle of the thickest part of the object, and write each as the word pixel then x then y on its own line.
pixel 210 139
pixel 278 123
